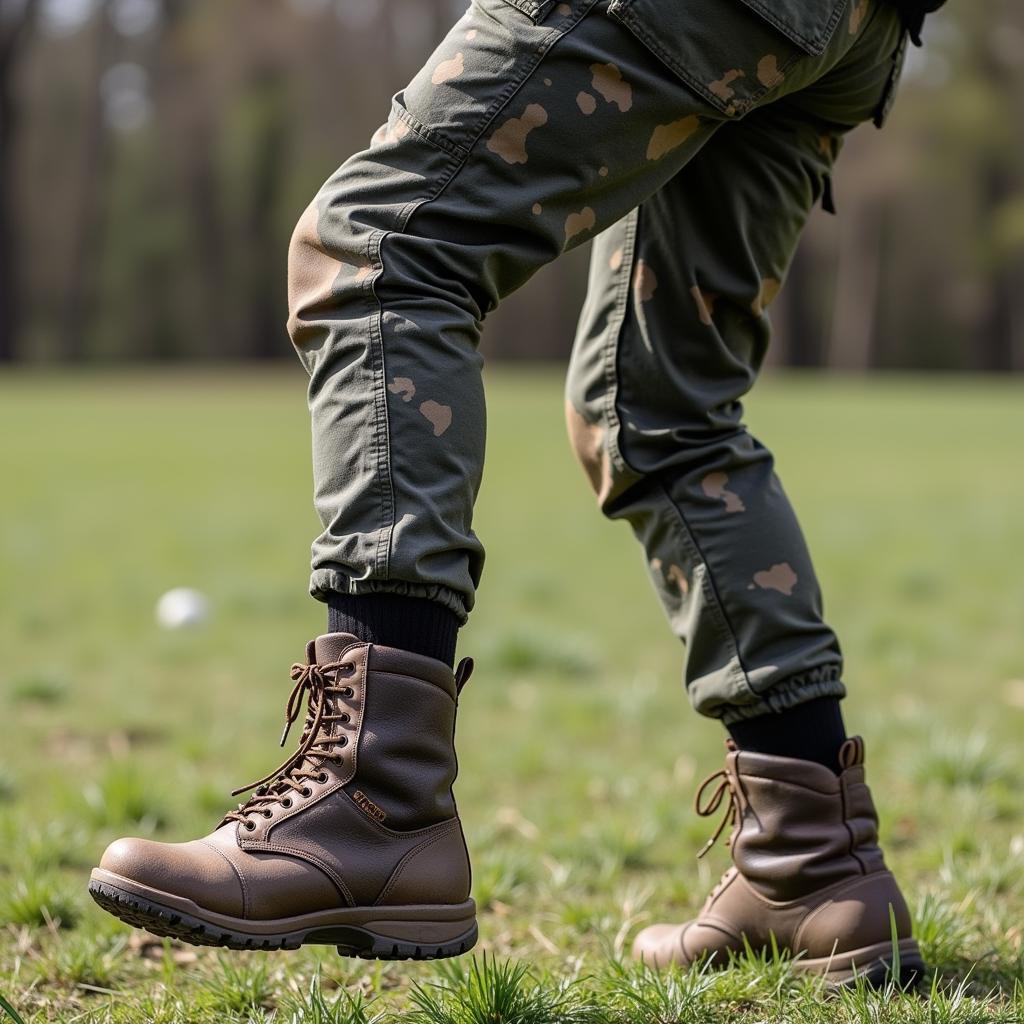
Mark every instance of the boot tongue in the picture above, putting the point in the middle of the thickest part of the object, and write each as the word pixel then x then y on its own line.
pixel 331 646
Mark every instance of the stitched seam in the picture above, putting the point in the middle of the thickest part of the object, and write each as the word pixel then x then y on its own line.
pixel 406 860
pixel 846 824
pixel 238 874
pixel 612 357
pixel 614 344
pixel 309 858
pixel 460 154
pixel 841 889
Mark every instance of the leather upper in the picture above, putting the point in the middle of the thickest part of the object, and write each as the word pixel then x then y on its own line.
pixel 373 822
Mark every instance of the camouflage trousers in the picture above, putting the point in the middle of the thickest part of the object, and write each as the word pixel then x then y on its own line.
pixel 690 139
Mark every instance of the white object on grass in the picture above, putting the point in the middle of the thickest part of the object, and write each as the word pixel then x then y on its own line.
pixel 182 608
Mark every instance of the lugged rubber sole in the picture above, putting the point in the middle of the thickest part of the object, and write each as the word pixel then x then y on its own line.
pixel 871 964
pixel 371 933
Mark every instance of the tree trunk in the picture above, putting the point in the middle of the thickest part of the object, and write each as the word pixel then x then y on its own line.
pixel 13 37
pixel 87 238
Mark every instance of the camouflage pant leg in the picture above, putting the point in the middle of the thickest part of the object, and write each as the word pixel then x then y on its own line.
pixel 534 126
pixel 672 336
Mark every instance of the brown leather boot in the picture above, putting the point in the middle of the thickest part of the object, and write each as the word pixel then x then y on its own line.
pixel 808 871
pixel 354 841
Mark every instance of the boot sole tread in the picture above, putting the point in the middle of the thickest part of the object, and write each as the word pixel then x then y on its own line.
pixel 351 940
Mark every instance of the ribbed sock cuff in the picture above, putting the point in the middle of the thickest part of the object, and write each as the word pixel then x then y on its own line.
pixel 812 731
pixel 394 620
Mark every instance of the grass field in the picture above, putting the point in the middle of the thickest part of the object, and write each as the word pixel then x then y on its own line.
pixel 579 753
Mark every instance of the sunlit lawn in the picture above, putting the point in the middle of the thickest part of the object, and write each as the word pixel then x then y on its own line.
pixel 578 752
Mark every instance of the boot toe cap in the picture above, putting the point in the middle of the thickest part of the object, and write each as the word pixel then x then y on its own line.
pixel 194 871
pixel 661 945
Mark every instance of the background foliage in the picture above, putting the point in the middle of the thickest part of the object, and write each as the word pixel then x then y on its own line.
pixel 154 155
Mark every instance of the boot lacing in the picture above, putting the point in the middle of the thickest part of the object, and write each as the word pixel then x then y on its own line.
pixel 316 682
pixel 707 807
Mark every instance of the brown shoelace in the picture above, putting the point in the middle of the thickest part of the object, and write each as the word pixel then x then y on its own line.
pixel 315 683
pixel 707 807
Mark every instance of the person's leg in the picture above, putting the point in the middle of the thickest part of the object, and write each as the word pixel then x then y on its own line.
pixel 672 338
pixel 519 139
pixel 533 127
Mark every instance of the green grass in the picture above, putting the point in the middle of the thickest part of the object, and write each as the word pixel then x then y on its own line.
pixel 578 752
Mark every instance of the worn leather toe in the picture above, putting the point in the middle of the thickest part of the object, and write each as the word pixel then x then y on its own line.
pixel 195 871
pixel 660 945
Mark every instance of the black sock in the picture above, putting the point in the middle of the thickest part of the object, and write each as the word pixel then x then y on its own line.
pixel 393 620
pixel 813 731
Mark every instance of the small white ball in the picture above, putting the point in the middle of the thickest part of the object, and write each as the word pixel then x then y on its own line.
pixel 182 608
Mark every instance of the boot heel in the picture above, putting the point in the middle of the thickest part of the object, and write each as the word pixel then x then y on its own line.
pixel 873 965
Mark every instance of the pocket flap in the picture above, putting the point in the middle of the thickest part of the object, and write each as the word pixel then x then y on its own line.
pixel 809 23
pixel 534 9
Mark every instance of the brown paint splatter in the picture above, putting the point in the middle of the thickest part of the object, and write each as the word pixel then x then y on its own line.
pixel 564 10
pixel 770 287
pixel 779 577
pixel 667 137
pixel 676 575
pixel 705 305
pixel 404 387
pixel 645 281
pixel 607 80
pixel 390 132
pixel 713 485
pixel 587 441
pixel 509 141
pixel 439 416
pixel 615 260
pixel 603 172
pixel 578 223
pixel 448 69
pixel 311 274
pixel 547 82
pixel 537 209
pixel 769 74
pixel 586 103
pixel 858 12
pixel 722 88
pixel 471 35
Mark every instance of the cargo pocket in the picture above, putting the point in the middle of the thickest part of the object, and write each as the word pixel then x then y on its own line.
pixel 535 10
pixel 734 53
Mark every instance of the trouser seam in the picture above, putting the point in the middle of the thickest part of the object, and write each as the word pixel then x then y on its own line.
pixel 458 158
pixel 613 352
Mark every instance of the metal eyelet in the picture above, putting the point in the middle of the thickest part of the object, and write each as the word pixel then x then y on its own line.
pixel 306 791
pixel 346 717
pixel 250 826
pixel 322 777
pixel 286 802
pixel 348 692
pixel 267 813
pixel 343 741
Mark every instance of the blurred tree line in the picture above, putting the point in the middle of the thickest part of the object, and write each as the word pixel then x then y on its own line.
pixel 155 154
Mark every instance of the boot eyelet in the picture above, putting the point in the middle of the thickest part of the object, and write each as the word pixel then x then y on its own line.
pixel 306 791
pixel 343 741
pixel 286 802
pixel 250 826
pixel 322 778
pixel 346 717
pixel 348 692
pixel 267 813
